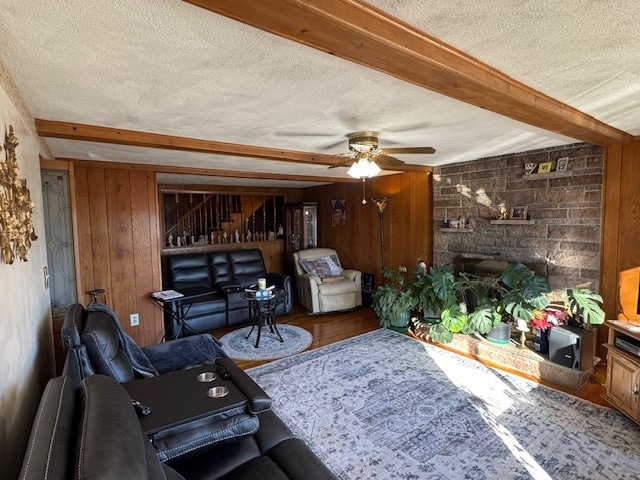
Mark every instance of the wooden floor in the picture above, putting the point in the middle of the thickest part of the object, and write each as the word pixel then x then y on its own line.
pixel 329 328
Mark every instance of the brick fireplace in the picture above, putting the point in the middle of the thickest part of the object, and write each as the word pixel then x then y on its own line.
pixel 565 209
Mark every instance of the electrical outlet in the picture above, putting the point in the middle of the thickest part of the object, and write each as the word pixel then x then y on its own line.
pixel 134 318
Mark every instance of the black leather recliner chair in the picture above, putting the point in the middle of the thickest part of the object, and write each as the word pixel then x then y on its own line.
pixel 106 349
pixel 112 352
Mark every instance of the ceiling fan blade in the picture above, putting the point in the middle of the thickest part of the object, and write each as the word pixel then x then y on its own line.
pixel 409 150
pixel 343 163
pixel 384 160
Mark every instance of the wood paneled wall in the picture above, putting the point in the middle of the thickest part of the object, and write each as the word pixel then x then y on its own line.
pixel 118 244
pixel 620 272
pixel 116 216
pixel 407 222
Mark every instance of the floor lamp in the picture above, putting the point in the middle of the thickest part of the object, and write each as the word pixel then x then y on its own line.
pixel 381 204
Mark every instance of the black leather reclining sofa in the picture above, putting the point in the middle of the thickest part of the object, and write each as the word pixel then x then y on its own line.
pixel 86 426
pixel 88 429
pixel 227 273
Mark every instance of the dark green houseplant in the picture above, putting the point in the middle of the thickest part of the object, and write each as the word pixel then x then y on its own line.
pixel 438 298
pixel 394 300
pixel 481 304
pixel 517 294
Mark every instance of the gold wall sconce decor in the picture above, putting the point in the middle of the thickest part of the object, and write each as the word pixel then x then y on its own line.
pixel 16 207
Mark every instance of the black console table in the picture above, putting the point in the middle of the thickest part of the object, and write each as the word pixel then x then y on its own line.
pixel 178 307
pixel 180 398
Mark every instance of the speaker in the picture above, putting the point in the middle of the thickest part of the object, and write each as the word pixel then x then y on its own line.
pixel 367 289
pixel 571 347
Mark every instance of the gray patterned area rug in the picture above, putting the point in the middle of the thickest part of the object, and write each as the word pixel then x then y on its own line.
pixel 239 347
pixel 385 406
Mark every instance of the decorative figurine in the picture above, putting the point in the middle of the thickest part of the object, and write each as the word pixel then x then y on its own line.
pixel 237 236
pixel 171 241
pixel 248 235
pixel 224 237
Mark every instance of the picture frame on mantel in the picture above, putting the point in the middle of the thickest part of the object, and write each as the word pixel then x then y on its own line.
pixel 518 213
pixel 545 167
pixel 562 164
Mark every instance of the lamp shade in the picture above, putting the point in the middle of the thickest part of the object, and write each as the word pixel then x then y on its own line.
pixel 380 203
pixel 363 167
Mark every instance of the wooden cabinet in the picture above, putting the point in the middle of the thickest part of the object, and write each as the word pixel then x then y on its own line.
pixel 623 368
pixel 301 224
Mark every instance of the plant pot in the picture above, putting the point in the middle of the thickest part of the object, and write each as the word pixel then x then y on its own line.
pixel 500 334
pixel 402 321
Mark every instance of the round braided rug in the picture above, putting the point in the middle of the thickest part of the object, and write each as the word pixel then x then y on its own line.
pixel 238 347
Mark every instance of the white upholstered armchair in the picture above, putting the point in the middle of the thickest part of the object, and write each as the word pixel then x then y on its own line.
pixel 323 285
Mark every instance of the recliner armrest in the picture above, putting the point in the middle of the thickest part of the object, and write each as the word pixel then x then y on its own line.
pixel 259 401
pixel 228 287
pixel 351 274
pixel 277 279
pixel 311 278
pixel 184 352
pixel 284 282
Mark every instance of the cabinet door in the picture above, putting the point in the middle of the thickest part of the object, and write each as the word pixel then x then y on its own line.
pixel 622 384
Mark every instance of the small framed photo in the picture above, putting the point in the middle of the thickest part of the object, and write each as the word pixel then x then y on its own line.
pixel 339 212
pixel 518 213
pixel 562 164
pixel 545 167
pixel 530 168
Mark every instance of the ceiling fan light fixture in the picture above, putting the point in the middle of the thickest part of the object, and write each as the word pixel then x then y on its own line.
pixel 363 168
pixel 374 169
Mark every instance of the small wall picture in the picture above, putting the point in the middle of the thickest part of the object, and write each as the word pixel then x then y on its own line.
pixel 562 164
pixel 545 167
pixel 530 168
pixel 518 213
pixel 339 212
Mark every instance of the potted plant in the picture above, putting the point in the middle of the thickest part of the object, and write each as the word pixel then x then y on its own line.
pixel 439 294
pixel 434 290
pixel 394 300
pixel 488 305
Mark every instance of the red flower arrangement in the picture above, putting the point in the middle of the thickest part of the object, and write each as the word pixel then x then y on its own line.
pixel 544 319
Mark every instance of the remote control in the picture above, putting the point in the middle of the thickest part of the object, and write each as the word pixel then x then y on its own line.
pixel 141 408
pixel 223 372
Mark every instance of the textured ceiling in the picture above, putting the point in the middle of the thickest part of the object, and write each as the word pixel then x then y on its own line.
pixel 169 67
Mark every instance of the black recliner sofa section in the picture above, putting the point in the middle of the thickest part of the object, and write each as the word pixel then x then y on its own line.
pixel 227 273
pixel 87 428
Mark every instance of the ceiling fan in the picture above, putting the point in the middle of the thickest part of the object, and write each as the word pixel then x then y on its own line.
pixel 364 150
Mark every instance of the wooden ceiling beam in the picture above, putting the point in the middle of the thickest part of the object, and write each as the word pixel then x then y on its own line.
pixel 93 133
pixel 363 34
pixel 211 172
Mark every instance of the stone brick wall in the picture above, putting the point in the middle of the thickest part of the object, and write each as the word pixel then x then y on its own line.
pixel 566 211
